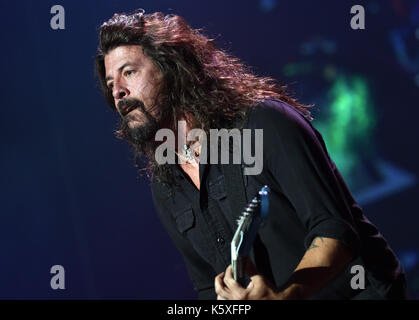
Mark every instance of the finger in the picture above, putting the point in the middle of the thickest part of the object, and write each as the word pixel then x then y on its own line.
pixel 220 288
pixel 229 278
pixel 219 283
pixel 229 272
pixel 251 285
pixel 223 293
pixel 236 290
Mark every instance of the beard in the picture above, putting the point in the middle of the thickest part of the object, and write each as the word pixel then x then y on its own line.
pixel 138 131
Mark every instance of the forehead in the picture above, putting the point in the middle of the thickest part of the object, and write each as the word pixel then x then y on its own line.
pixel 119 55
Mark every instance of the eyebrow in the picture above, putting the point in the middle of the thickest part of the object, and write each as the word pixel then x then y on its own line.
pixel 120 69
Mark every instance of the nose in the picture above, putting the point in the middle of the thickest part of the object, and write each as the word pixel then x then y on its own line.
pixel 119 91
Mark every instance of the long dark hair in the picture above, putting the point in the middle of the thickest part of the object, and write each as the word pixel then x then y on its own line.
pixel 198 78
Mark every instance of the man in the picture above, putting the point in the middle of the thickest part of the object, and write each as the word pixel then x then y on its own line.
pixel 155 70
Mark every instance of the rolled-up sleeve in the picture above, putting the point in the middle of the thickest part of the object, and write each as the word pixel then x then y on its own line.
pixel 296 156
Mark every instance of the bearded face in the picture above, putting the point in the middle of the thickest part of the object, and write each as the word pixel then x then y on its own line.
pixel 135 82
pixel 138 122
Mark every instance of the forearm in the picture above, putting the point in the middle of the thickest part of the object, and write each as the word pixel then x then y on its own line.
pixel 323 260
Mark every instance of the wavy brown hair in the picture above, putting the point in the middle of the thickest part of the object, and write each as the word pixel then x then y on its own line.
pixel 199 79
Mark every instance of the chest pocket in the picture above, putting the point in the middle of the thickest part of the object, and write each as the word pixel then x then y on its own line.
pixel 185 218
pixel 216 188
pixel 191 228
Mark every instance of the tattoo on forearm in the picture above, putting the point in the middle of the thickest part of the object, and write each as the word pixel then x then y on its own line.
pixel 313 243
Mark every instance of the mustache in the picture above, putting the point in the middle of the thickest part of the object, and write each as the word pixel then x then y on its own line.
pixel 127 105
pixel 140 135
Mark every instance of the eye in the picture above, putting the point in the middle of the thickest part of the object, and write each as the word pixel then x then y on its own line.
pixel 110 86
pixel 128 72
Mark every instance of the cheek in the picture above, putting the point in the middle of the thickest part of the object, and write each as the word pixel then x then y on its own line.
pixel 148 85
pixel 157 86
pixel 138 87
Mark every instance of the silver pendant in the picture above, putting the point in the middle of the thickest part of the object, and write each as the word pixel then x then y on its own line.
pixel 188 154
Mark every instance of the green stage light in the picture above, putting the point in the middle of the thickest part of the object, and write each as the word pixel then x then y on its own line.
pixel 347 122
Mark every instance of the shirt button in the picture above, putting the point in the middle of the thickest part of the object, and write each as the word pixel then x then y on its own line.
pixel 220 240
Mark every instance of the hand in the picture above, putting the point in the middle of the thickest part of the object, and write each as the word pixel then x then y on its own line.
pixel 258 289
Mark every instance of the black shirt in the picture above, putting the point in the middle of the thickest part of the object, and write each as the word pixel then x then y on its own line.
pixel 308 198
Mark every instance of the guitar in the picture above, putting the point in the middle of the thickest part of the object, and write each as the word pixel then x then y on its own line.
pixel 248 226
